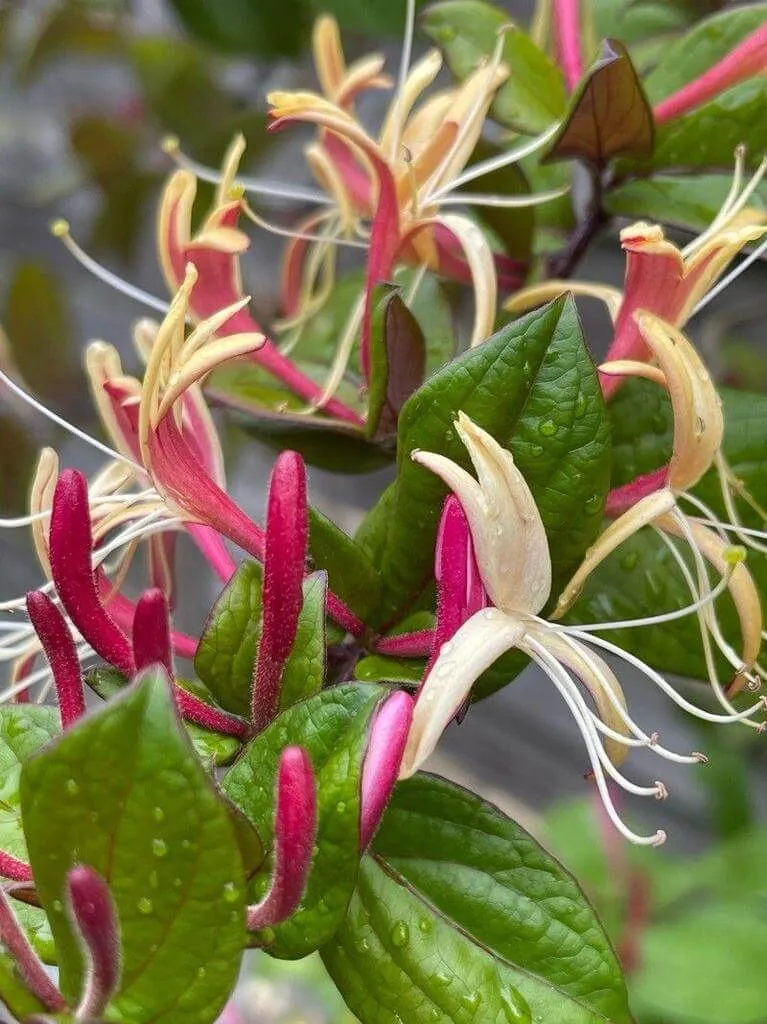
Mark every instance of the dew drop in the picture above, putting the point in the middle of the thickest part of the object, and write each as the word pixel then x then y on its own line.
pixel 536 450
pixel 425 925
pixel 154 879
pixel 145 905
pixel 159 847
pixel 400 934
pixel 201 972
pixel 548 428
pixel 71 787
pixel 441 978
pixel 340 807
pixel 185 844
pixel 178 882
pixel 362 946
pixel 515 1006
pixel 581 404
pixel 472 1001
pixel 230 892
pixel 158 814
pixel 153 948
pixel 629 561
pixel 593 504
pixel 57 906
pixel 445 34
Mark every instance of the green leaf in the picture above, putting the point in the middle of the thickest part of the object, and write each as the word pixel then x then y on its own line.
pixel 39 326
pixel 333 728
pixel 270 28
pixel 227 651
pixel 304 671
pixel 689 976
pixel 351 573
pixel 377 668
pixel 123 792
pixel 213 748
pixel 533 386
pixel 534 95
pixel 35 923
pixel 608 115
pixel 461 916
pixel 397 367
pixel 690 202
pixel 24 728
pixel 642 577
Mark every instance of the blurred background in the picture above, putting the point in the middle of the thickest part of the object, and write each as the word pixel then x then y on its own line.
pixel 88 90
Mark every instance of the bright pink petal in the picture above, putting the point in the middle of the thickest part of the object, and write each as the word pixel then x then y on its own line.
pixel 385 237
pixel 388 736
pixel 295 826
pixel 51 627
pixel 749 58
pixel 151 631
pixel 71 545
pixel 96 920
pixel 287 535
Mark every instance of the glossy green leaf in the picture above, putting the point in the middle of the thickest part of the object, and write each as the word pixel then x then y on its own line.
pixel 466 31
pixel 351 574
pixel 39 327
pixel 689 975
pixel 227 650
pixel 333 728
pixel 213 748
pixel 24 728
pixel 123 792
pixel 533 386
pixel 397 366
pixel 304 671
pixel 642 578
pixel 608 115
pixel 377 668
pixel 460 916
pixel 690 202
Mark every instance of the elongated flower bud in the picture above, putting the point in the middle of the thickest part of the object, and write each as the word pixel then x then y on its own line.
pixel 61 653
pixel 95 920
pixel 388 736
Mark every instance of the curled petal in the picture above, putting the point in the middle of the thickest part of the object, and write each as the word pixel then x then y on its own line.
pixel 104 368
pixel 70 553
pixel 509 539
pixel 96 922
pixel 295 825
pixel 41 494
pixel 287 535
pixel 60 650
pixel 388 736
pixel 698 417
pixel 646 511
pixel 477 644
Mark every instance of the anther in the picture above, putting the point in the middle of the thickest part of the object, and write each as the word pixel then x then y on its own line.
pixel 700 758
pixel 661 792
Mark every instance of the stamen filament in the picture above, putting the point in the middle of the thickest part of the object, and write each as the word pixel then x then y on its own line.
pixel 404 71
pixel 308 236
pixel 512 202
pixel 60 229
pixel 727 280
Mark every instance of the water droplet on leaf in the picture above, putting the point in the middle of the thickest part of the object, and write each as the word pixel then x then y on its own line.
pixel 158 814
pixel 629 561
pixel 159 847
pixel 145 905
pixel 548 428
pixel 71 787
pixel 593 504
pixel 515 1006
pixel 230 892
pixel 400 934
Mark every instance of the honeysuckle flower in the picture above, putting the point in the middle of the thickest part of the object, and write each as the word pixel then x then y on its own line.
pixel 513 559
pixel 747 59
pixel 662 278
pixel 215 251
pixel 566 28
pixel 655 499
pixel 380 768
pixel 401 183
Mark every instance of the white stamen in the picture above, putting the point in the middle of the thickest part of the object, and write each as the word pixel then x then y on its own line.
pixel 511 202
pixel 727 280
pixel 666 687
pixel 60 228
pixel 495 163
pixel 256 186
pixel 308 236
pixel 404 71
pixel 564 685
pixel 61 422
